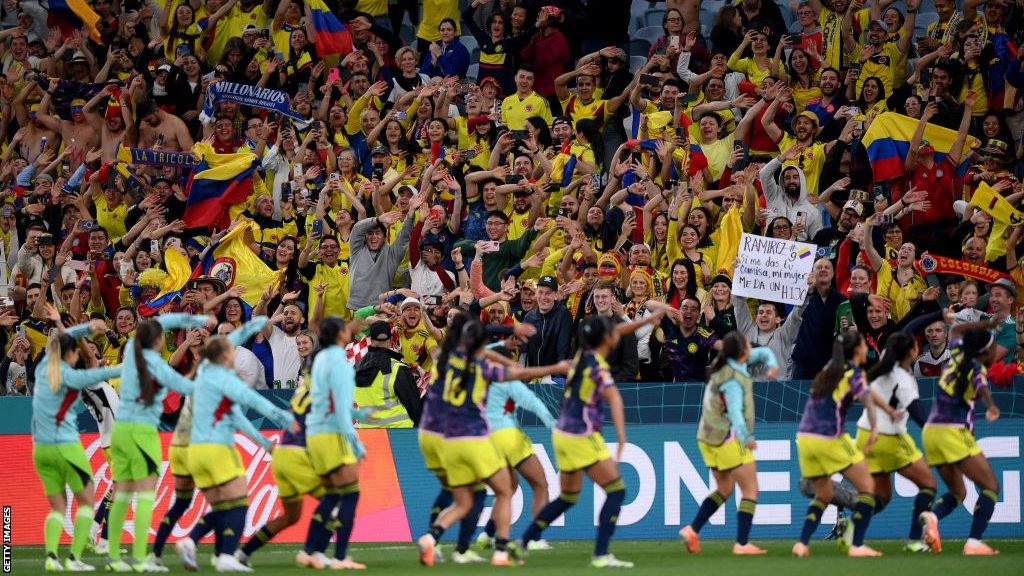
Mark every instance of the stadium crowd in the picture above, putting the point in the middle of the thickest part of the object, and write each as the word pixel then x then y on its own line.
pixel 533 162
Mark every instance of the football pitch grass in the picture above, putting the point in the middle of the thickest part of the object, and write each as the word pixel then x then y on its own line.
pixel 650 556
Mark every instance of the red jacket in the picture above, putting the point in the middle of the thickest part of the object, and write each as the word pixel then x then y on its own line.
pixel 549 56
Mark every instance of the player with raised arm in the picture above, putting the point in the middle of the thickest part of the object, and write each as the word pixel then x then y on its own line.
pixel 57 452
pixel 579 446
pixel 948 437
pixel 725 435
pixel 825 448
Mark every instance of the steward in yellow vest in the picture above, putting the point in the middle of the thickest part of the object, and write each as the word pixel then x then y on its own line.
pixel 385 386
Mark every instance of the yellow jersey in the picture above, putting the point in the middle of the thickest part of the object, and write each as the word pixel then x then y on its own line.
pixel 882 66
pixel 336 296
pixel 810 161
pixel 433 12
pixel 515 110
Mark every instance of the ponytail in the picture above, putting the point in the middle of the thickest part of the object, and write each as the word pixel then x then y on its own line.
pixel 842 350
pixel 472 338
pixel 451 341
pixel 975 342
pixel 897 346
pixel 56 346
pixel 147 333
pixel 733 345
pixel 53 359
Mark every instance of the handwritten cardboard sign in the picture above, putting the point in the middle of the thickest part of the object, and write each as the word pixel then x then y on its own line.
pixel 773 270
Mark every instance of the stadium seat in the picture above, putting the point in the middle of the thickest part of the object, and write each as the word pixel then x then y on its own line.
pixel 469 41
pixel 654 17
pixel 473 71
pixel 650 34
pixel 707 17
pixel 408 34
pixel 636 63
pixel 924 19
pixel 636 15
pixel 639 47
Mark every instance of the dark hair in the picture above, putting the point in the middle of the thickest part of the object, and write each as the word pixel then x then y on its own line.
pixel 881 93
pixel 780 310
pixel 588 128
pixel 449 21
pixel 147 333
pixel 504 21
pixel 810 66
pixel 500 214
pixel 725 16
pixel 830 69
pixel 733 345
pixel 842 350
pixel 451 341
pixel 593 330
pixel 974 341
pixel 896 348
pixel 525 67
pixel 330 328
pixel 222 313
pixel 664 19
pixel 691 280
pixel 678 83
pixel 543 131
pixel 471 337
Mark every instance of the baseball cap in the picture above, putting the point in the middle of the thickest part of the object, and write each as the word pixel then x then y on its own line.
pixel 380 330
pixel 878 23
pixel 410 301
pixel 164 68
pixel 379 150
pixel 855 207
pixel 548 282
pixel 807 114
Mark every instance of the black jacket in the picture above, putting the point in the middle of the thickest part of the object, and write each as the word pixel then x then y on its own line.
pixel 624 360
pixel 378 361
pixel 551 342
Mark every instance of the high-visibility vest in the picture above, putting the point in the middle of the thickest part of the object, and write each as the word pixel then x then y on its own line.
pixel 385 409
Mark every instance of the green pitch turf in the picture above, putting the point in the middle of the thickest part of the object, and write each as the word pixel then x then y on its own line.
pixel 651 557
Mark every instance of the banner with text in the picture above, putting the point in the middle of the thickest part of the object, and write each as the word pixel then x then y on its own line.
pixel 665 482
pixel 246 95
pixel 150 157
pixel 773 270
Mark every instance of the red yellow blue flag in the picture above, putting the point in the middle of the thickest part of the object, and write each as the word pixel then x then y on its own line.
pixel 887 141
pixel 332 37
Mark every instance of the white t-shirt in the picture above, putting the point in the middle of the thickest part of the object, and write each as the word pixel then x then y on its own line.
pixel 250 369
pixel 102 401
pixel 897 388
pixel 287 361
pixel 426 282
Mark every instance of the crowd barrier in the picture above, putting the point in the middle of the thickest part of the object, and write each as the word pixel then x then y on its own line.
pixel 665 476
